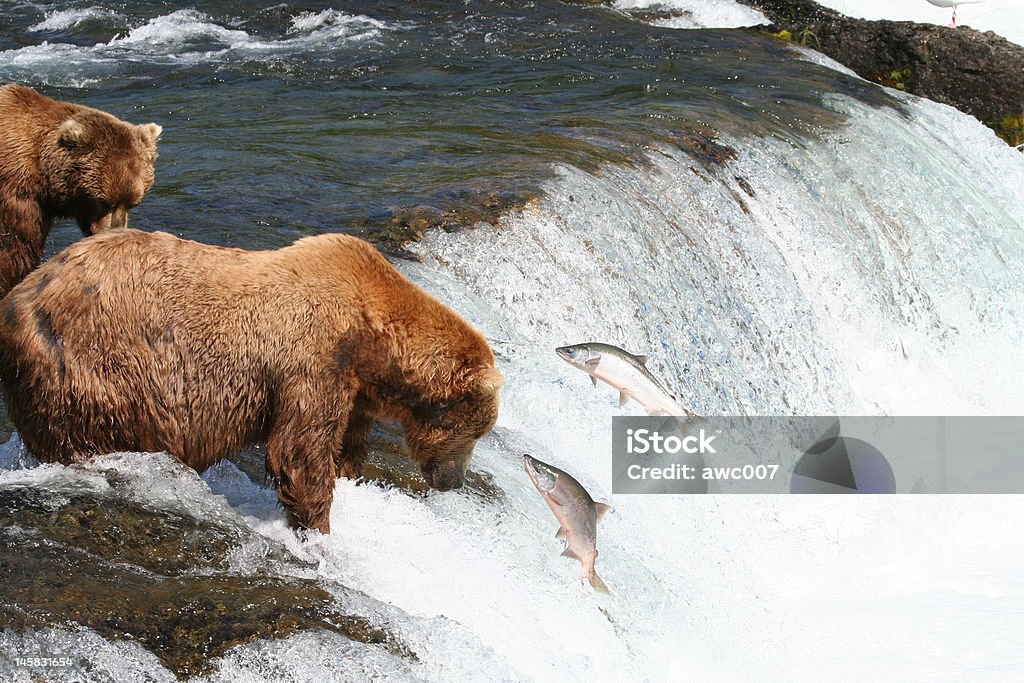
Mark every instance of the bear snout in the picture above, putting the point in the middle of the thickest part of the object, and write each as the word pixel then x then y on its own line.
pixel 443 476
pixel 118 218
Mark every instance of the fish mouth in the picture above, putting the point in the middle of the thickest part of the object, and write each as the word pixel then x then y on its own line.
pixel 541 479
pixel 528 464
pixel 579 356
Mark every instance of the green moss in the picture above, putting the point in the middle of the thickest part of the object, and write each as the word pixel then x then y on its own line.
pixel 783 35
pixel 809 37
pixel 1010 128
pixel 898 79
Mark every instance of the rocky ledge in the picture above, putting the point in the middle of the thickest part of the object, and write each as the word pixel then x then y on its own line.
pixel 981 74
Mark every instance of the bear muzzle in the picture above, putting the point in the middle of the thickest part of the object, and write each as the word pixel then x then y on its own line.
pixel 443 476
pixel 118 218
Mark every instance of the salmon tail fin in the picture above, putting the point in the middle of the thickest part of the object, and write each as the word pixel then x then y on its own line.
pixel 598 584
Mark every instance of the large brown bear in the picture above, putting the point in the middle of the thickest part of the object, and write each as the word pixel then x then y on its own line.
pixel 131 341
pixel 61 160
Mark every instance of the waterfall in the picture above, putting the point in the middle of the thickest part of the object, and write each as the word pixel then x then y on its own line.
pixel 872 269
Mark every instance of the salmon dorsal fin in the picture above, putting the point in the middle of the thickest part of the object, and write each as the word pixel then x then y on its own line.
pixel 560 534
pixel 600 509
pixel 641 359
pixel 568 552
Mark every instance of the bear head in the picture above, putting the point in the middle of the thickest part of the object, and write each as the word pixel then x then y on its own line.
pixel 442 434
pixel 97 168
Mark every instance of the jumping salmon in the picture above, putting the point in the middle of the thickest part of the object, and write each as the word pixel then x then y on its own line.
pixel 629 375
pixel 576 512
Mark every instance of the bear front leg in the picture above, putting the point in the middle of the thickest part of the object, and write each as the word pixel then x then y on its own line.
pixel 348 460
pixel 21 240
pixel 300 450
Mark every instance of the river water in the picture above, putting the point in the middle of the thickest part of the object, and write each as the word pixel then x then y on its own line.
pixel 779 236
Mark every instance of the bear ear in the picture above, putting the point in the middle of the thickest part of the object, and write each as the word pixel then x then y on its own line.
pixel 151 132
pixel 71 134
pixel 489 381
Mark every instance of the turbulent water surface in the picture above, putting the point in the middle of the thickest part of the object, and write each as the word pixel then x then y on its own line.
pixel 779 236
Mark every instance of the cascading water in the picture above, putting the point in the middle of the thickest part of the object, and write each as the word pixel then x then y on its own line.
pixel 789 281
pixel 876 267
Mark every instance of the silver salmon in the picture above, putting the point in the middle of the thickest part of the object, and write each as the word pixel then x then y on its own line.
pixel 576 512
pixel 628 374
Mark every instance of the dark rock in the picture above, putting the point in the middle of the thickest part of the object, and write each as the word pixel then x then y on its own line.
pixel 162 579
pixel 118 530
pixel 981 74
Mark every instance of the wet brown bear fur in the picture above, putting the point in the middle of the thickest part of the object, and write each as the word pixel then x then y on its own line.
pixel 61 160
pixel 132 341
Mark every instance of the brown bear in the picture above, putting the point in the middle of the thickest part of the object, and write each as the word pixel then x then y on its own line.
pixel 61 160
pixel 133 341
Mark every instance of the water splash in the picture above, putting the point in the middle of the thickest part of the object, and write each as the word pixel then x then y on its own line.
pixel 63 20
pixel 182 37
pixel 690 14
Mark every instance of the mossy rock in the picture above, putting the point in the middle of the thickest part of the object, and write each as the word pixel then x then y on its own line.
pixel 159 578
pixel 1010 128
pixel 185 621
pixel 979 73
pixel 900 79
pixel 119 530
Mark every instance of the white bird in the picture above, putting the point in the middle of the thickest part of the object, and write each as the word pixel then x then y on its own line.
pixel 954 4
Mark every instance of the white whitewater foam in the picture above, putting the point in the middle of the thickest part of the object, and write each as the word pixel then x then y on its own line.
pixel 816 57
pixel 701 13
pixel 123 661
pixel 185 36
pixel 310 29
pixel 178 29
pixel 62 20
pixel 311 21
pixel 325 658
